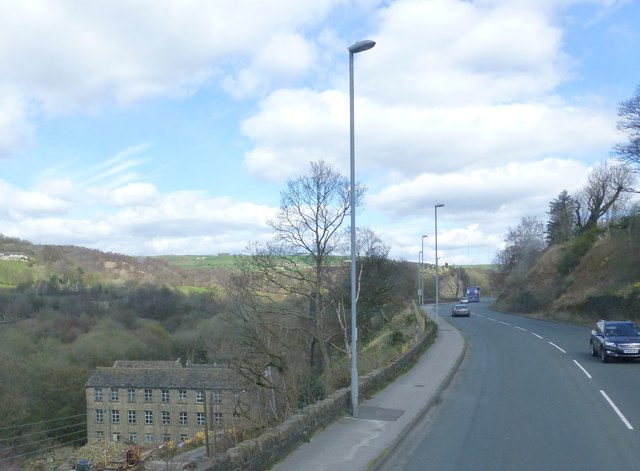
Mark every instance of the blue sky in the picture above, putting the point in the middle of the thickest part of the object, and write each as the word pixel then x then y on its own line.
pixel 158 127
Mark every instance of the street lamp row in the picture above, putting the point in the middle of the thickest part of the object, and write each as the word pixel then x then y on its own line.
pixel 421 267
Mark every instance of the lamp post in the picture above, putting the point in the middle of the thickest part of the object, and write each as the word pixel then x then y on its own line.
pixel 439 205
pixel 422 275
pixel 355 48
pixel 420 257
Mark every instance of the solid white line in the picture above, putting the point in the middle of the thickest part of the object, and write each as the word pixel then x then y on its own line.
pixel 524 330
pixel 537 335
pixel 557 347
pixel 622 417
pixel 583 370
pixel 505 323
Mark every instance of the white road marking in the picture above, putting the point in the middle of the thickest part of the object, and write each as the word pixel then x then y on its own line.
pixel 524 330
pixel 583 370
pixel 505 323
pixel 492 319
pixel 551 343
pixel 532 333
pixel 615 408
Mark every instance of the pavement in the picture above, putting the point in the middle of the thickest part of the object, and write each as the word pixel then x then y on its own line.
pixel 364 442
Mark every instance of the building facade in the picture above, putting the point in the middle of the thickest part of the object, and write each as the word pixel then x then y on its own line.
pixel 153 402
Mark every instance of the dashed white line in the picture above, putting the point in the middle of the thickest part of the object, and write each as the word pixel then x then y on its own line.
pixel 551 343
pixel 583 370
pixel 533 333
pixel 617 411
pixel 505 323
pixel 492 319
pixel 520 328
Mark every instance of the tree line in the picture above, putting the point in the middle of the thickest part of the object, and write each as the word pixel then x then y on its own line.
pixel 279 317
pixel 576 220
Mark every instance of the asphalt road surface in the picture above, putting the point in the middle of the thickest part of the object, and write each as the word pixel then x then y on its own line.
pixel 528 396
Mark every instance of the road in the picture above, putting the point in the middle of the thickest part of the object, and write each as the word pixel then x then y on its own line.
pixel 528 396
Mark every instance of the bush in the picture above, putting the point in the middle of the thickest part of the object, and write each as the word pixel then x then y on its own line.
pixel 396 338
pixel 575 250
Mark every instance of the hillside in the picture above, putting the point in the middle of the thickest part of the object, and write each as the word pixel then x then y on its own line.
pixel 22 262
pixel 582 282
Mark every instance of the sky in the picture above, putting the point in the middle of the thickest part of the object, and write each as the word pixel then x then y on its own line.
pixel 156 127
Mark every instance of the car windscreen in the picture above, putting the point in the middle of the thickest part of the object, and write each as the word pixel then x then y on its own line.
pixel 622 330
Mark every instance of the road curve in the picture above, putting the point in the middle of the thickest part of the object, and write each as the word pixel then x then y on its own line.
pixel 528 396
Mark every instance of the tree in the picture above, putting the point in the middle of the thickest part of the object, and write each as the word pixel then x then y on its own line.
pixel 629 123
pixel 605 187
pixel 562 219
pixel 309 229
pixel 523 245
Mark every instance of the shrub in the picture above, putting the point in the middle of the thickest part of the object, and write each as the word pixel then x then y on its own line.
pixel 575 250
pixel 396 338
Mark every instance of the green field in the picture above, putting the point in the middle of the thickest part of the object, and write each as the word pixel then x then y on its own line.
pixel 14 272
pixel 199 261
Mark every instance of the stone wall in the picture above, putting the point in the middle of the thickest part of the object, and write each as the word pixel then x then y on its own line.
pixel 276 443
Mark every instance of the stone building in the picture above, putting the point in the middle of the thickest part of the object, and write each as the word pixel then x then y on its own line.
pixel 152 402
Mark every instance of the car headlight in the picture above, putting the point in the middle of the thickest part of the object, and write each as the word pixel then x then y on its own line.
pixel 610 344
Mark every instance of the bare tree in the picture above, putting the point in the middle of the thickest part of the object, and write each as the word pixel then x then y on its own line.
pixel 605 187
pixel 629 123
pixel 523 245
pixel 309 230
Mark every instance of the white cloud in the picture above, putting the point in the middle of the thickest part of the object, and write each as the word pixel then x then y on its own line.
pixel 459 101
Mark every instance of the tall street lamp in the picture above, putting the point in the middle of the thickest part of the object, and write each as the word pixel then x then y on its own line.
pixel 422 275
pixel 420 257
pixel 439 205
pixel 355 48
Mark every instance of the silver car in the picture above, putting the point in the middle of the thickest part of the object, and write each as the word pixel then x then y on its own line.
pixel 460 310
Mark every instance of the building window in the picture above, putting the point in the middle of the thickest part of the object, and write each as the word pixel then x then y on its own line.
pixel 217 419
pixel 115 416
pixel 199 397
pixel 200 419
pixel 148 395
pixel 183 418
pixel 166 418
pixel 114 394
pixel 133 437
pixel 183 437
pixel 217 398
pixel 166 438
pixel 148 438
pixel 182 395
pixel 164 395
pixel 98 394
pixel 236 418
pixel 132 417
pixel 99 434
pixel 148 417
pixel 131 395
pixel 99 416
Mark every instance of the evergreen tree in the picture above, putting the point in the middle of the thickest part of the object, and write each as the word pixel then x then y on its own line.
pixel 562 219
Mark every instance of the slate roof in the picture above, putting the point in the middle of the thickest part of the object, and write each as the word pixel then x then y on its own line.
pixel 147 364
pixel 172 377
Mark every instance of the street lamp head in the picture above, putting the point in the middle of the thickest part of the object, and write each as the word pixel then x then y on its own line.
pixel 439 205
pixel 361 46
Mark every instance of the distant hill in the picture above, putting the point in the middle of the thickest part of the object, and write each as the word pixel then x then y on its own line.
pixel 22 262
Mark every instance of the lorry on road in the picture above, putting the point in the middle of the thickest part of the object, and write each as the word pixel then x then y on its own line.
pixel 473 294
